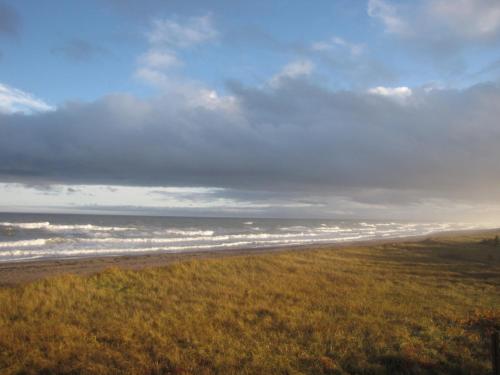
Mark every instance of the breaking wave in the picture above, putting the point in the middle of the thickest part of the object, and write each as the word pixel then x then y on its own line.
pixel 30 240
pixel 59 227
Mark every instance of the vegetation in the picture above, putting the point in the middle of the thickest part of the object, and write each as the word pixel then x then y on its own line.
pixel 405 308
pixel 491 241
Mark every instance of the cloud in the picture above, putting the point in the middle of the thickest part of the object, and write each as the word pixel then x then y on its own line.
pixel 159 59
pixel 10 22
pixel 145 10
pixel 298 138
pixel 78 50
pixel 166 38
pixel 388 15
pixel 472 19
pixel 338 42
pixel 72 190
pixel 157 66
pixel 293 70
pixel 355 72
pixel 441 33
pixel 13 100
pixel 439 21
pixel 397 93
pixel 351 64
pixel 173 34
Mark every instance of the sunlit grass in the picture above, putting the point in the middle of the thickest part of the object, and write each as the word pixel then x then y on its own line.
pixel 403 308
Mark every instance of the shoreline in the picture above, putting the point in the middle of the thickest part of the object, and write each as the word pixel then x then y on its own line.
pixel 24 271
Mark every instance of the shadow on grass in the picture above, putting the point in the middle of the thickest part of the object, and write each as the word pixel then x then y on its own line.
pixel 401 365
pixel 467 260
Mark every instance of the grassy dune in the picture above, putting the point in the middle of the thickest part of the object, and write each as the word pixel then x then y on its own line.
pixel 406 308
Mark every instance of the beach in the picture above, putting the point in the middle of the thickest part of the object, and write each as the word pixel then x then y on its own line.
pixel 407 305
pixel 13 273
pixel 33 246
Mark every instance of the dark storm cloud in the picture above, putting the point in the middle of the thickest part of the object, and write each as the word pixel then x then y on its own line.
pixel 43 188
pixel 10 22
pixel 290 138
pixel 78 50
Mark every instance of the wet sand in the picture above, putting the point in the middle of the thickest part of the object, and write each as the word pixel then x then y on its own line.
pixel 14 273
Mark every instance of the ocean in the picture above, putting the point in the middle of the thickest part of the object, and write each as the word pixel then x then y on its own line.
pixel 55 236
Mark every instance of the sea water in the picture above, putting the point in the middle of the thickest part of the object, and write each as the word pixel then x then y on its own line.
pixel 55 236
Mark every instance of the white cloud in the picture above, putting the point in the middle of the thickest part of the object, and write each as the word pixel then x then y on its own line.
pixel 167 38
pixel 13 100
pixel 173 34
pixel 388 14
pixel 332 43
pixel 210 99
pixel 467 18
pixel 399 92
pixel 151 76
pixel 293 70
pixel 156 66
pixel 159 59
pixel 439 20
pixel 321 46
pixel 58 195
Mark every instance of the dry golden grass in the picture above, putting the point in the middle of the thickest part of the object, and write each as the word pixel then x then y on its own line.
pixel 403 308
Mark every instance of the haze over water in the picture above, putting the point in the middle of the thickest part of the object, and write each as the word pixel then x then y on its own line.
pixel 54 236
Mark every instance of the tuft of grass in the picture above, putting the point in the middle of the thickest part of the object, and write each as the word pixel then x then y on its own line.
pixel 405 308
pixel 495 241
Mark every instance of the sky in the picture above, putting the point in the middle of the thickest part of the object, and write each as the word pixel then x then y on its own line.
pixel 332 108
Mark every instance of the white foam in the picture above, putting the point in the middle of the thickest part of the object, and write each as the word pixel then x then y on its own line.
pixel 26 254
pixel 16 254
pixel 334 229
pixel 44 224
pixel 229 237
pixel 60 227
pixel 27 243
pixel 105 242
pixel 87 227
pixel 190 232
pixel 363 224
pixel 295 227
